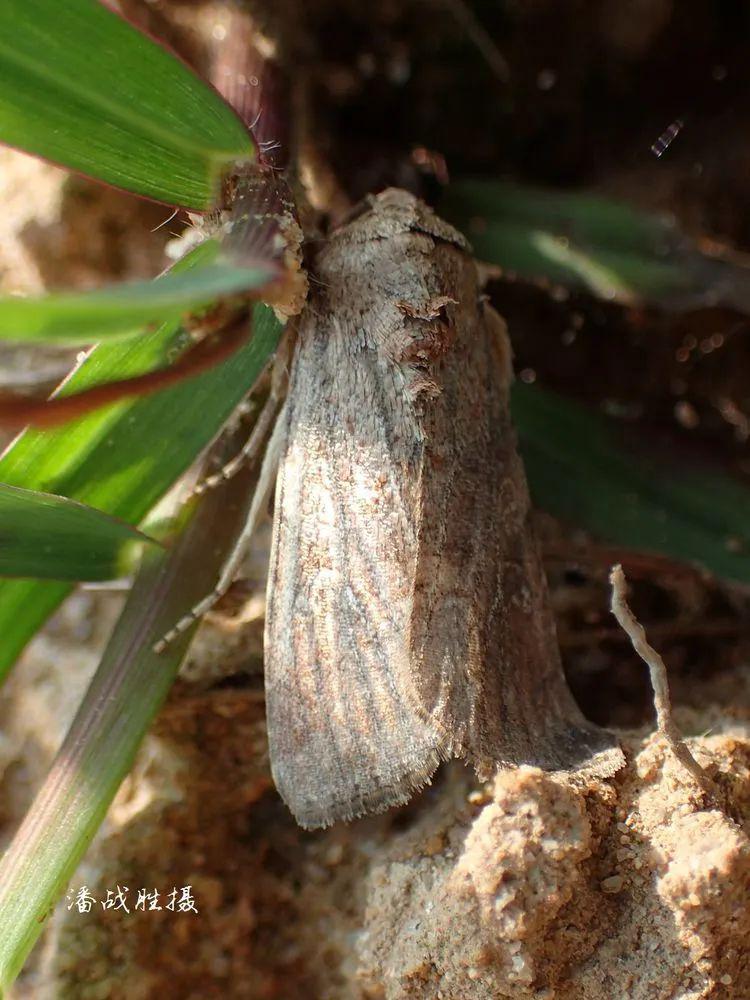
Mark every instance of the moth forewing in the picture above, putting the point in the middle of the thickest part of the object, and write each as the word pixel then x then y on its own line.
pixel 484 652
pixel 407 616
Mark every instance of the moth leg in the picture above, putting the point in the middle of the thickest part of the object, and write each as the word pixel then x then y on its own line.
pixel 279 380
pixel 249 451
pixel 263 488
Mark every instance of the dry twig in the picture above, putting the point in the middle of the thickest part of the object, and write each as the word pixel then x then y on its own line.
pixel 665 723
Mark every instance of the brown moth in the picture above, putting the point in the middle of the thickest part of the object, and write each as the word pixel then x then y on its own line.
pixel 407 617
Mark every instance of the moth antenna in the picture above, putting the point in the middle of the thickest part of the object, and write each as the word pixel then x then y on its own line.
pixel 266 479
pixel 243 68
pixel 249 451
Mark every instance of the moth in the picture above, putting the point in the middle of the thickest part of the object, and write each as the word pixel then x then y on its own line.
pixel 407 612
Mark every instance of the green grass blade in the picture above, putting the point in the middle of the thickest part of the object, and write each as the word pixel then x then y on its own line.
pixel 53 538
pixel 123 310
pixel 125 694
pixel 85 89
pixel 581 470
pixel 588 242
pixel 123 458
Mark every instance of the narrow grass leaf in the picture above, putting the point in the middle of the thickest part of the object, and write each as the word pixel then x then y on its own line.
pixel 53 538
pixel 581 469
pixel 584 241
pixel 123 310
pixel 82 87
pixel 123 458
pixel 128 689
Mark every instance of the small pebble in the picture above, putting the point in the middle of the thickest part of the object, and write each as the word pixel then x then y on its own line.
pixel 613 884
pixel 433 845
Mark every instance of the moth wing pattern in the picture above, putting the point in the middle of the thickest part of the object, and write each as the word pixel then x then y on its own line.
pixel 345 732
pixel 484 650
pixel 406 616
